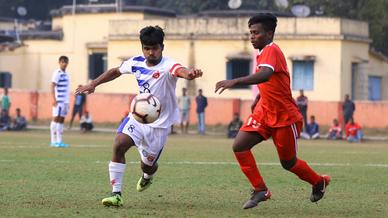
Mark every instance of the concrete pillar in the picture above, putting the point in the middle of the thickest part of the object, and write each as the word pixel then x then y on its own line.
pixel 361 81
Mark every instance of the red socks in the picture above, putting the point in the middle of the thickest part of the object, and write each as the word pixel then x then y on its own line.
pixel 248 166
pixel 305 173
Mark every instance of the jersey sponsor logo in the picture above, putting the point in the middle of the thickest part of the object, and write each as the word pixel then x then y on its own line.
pixel 147 155
pixel 150 158
pixel 156 75
pixel 137 73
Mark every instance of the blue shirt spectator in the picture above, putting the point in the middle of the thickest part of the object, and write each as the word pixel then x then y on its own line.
pixel 201 105
pixel 312 130
pixel 201 102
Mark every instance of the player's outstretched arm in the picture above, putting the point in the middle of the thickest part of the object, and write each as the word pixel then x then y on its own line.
pixel 256 78
pixel 107 76
pixel 188 74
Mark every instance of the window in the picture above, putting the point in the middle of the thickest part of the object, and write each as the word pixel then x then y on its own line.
pixel 302 75
pixel 97 64
pixel 374 88
pixel 5 80
pixel 236 68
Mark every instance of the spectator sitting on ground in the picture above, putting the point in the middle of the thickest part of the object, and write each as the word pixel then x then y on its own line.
pixel 86 122
pixel 312 130
pixel 234 126
pixel 5 120
pixel 20 122
pixel 353 131
pixel 335 131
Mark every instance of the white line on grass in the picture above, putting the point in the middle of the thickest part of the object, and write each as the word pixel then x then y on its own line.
pixel 375 165
pixel 264 163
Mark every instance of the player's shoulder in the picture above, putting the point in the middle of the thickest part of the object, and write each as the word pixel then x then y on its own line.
pixel 57 71
pixel 273 46
pixel 168 60
pixel 138 58
pixel 135 60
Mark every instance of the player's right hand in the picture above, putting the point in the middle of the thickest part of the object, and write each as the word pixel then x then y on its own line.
pixel 88 89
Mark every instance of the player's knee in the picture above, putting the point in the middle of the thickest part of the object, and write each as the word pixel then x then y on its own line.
pixel 237 147
pixel 121 145
pixel 288 164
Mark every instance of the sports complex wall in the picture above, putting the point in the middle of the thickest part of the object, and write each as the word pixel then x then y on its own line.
pixel 111 108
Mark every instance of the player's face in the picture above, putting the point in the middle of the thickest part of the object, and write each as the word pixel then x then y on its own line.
pixel 259 37
pixel 152 53
pixel 63 64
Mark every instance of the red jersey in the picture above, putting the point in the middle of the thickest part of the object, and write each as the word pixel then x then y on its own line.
pixel 351 129
pixel 276 107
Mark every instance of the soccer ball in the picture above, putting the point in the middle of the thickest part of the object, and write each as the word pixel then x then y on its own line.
pixel 145 108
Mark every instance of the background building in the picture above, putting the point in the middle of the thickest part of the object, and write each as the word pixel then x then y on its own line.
pixel 327 57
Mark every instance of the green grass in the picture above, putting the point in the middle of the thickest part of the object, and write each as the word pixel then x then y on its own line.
pixel 198 177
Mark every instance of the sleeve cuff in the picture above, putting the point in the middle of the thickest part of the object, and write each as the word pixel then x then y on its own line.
pixel 267 65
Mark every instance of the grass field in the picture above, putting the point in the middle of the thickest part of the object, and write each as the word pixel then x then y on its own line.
pixel 198 177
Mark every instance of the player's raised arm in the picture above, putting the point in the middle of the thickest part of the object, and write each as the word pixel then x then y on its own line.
pixel 107 76
pixel 256 78
pixel 188 74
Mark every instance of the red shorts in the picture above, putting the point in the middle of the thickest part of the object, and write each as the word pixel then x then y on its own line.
pixel 284 138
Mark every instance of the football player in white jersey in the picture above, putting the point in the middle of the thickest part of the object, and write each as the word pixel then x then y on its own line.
pixel 60 98
pixel 157 75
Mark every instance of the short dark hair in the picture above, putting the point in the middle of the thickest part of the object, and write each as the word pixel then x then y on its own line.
pixel 63 58
pixel 268 20
pixel 151 35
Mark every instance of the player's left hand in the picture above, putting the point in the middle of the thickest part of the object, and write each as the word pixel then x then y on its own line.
pixel 224 84
pixel 194 73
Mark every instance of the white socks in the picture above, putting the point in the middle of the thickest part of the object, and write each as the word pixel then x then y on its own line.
pixel 59 132
pixel 116 173
pixel 147 176
pixel 56 130
pixel 53 132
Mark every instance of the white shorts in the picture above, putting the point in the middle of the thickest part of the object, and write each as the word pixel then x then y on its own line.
pixel 60 110
pixel 148 140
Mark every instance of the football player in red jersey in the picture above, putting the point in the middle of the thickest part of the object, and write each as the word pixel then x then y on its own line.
pixel 274 114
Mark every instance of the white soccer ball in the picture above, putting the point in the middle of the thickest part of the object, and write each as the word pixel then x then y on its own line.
pixel 145 108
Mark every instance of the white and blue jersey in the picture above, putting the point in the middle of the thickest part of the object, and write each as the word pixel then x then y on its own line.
pixel 62 83
pixel 159 80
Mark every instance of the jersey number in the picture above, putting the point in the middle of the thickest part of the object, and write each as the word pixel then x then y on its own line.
pixel 146 87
